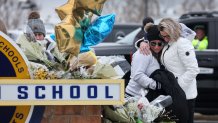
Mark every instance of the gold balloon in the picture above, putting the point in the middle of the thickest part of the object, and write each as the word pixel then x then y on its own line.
pixel 65 9
pixel 80 14
pixel 64 33
pixel 95 6
pixel 74 15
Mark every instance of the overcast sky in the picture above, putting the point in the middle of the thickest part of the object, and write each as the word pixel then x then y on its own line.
pixel 49 15
pixel 48 8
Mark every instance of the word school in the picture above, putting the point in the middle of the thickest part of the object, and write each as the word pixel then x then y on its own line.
pixel 60 92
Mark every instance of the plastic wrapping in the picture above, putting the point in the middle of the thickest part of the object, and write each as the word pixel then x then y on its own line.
pixel 86 59
pixel 162 101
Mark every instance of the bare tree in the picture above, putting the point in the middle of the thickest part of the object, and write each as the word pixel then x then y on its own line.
pixel 132 11
pixel 14 12
pixel 207 4
pixel 185 5
pixel 127 11
pixel 200 5
pixel 153 8
pixel 212 4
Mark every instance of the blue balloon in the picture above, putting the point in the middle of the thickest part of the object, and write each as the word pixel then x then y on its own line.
pixel 84 49
pixel 53 37
pixel 97 31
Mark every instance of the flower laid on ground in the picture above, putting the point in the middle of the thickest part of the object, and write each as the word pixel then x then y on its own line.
pixel 137 110
pixel 150 113
pixel 131 105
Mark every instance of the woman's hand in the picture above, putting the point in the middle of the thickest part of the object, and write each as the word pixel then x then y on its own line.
pixel 144 48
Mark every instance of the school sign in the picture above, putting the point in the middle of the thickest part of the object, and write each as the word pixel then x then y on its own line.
pixel 61 92
pixel 18 92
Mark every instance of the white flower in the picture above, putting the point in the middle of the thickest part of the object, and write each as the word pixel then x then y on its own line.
pixel 150 113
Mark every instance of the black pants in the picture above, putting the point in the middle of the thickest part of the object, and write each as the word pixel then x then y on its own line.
pixel 191 108
pixel 190 116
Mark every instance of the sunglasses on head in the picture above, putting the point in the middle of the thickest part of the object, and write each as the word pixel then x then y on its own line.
pixel 156 44
pixel 164 36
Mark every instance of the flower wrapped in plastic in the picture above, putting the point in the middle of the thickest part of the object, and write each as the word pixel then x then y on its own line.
pixel 131 106
pixel 154 111
pixel 39 71
pixel 86 59
pixel 80 70
pixel 82 73
pixel 146 111
pixel 34 51
pixel 149 112
pixel 111 67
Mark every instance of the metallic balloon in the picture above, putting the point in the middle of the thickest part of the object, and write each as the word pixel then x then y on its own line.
pixel 97 31
pixel 76 17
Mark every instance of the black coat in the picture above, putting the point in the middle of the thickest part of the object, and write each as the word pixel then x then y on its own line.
pixel 170 86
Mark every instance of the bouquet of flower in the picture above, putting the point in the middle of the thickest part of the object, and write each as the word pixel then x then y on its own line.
pixel 41 67
pixel 131 105
pixel 147 112
pixel 39 71
pixel 34 51
pixel 144 111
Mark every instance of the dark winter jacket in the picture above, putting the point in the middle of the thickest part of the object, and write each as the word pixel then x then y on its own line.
pixel 171 87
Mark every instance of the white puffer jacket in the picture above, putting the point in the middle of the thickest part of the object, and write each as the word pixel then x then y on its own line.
pixel 180 59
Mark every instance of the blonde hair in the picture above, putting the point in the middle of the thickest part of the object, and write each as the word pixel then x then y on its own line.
pixel 2 27
pixel 170 26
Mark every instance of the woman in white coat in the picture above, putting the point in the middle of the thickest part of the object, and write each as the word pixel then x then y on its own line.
pixel 178 57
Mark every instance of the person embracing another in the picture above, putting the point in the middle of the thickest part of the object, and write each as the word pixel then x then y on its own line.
pixel 178 57
pixel 143 66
